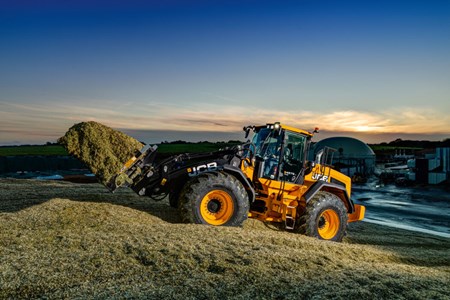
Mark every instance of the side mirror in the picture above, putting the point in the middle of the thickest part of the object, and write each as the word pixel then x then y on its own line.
pixel 247 131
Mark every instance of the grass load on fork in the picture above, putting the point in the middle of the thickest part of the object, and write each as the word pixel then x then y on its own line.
pixel 102 149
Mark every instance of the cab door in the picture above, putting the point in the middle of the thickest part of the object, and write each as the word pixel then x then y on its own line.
pixel 294 152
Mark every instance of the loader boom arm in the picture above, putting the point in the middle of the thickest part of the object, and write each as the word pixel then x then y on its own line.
pixel 147 177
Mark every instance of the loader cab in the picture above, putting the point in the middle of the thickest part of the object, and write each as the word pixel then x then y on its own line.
pixel 279 153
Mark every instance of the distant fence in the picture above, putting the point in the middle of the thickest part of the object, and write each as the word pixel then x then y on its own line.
pixel 10 164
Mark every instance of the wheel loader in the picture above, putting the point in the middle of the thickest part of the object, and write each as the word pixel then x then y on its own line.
pixel 270 178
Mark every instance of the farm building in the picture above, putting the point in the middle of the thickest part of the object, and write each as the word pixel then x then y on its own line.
pixel 432 168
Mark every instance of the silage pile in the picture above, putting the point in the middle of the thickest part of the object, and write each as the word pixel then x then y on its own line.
pixel 102 149
pixel 64 240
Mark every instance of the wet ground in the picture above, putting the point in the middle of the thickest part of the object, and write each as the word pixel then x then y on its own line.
pixel 424 209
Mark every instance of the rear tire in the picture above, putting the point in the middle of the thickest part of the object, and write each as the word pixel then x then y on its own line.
pixel 325 217
pixel 214 199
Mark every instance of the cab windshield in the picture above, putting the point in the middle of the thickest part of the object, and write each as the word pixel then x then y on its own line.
pixel 266 142
pixel 282 154
pixel 271 145
pixel 268 148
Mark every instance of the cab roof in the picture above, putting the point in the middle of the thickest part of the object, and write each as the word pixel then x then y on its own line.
pixel 286 127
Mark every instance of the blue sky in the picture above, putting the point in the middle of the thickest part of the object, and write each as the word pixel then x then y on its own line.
pixel 375 70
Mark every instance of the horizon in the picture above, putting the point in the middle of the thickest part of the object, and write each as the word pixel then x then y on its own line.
pixel 373 70
pixel 160 136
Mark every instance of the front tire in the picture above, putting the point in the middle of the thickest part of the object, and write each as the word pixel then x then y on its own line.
pixel 214 199
pixel 325 217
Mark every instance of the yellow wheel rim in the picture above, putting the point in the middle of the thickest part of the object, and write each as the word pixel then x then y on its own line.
pixel 329 224
pixel 217 207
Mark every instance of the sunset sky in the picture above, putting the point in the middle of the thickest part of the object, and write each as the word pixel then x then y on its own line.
pixel 374 69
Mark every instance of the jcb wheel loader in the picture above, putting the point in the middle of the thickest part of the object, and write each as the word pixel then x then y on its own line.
pixel 268 178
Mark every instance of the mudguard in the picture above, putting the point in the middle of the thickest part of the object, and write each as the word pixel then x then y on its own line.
pixel 320 185
pixel 236 172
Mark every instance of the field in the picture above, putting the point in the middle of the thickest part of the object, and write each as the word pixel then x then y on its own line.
pixel 66 240
pixel 59 150
pixel 392 148
pixel 33 150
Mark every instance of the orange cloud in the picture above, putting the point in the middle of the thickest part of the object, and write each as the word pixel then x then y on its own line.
pixel 51 120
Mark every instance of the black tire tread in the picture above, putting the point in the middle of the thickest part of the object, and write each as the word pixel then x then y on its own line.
pixel 321 201
pixel 195 189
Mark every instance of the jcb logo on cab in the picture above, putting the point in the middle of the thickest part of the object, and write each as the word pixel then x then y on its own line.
pixel 317 176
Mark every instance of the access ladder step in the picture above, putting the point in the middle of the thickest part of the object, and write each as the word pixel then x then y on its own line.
pixel 290 220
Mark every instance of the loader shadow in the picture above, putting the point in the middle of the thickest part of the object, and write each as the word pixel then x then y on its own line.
pixel 18 194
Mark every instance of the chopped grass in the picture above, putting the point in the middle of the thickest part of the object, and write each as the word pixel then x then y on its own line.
pixel 64 240
pixel 102 149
